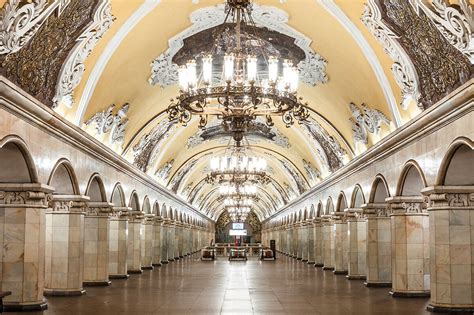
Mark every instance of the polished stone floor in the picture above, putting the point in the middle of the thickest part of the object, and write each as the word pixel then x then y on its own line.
pixel 222 287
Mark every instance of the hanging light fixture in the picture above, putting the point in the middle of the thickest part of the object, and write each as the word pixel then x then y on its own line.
pixel 242 91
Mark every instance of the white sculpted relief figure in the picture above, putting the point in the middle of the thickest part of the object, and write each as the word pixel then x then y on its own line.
pixel 105 121
pixel 455 22
pixel 312 70
pixel 73 68
pixel 20 20
pixel 366 120
pixel 402 69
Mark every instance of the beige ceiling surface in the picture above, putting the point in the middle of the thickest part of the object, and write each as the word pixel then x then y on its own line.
pixel 124 79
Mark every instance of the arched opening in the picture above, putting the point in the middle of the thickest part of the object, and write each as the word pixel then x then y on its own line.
pixel 63 179
pixel 21 169
pixel 146 206
pixel 95 189
pixel 312 212
pixel 341 202
pixel 319 211
pixel 379 191
pixel 164 211
pixel 411 181
pixel 118 196
pixel 357 199
pixel 156 208
pixel 457 167
pixel 329 206
pixel 134 203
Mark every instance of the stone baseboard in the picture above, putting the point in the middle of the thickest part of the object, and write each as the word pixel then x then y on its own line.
pixel 445 309
pixel 147 268
pixel 304 260
pixel 132 272
pixel 356 277
pixel 310 262
pixel 156 265
pixel 340 272
pixel 52 292
pixel 164 262
pixel 410 294
pixel 42 306
pixel 119 276
pixel 328 268
pixel 378 284
pixel 318 265
pixel 97 283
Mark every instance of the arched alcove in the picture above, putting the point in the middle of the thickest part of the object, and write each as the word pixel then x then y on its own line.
pixel 357 199
pixel 411 181
pixel 118 196
pixel 379 191
pixel 146 207
pixel 63 179
pixel 319 211
pixel 134 201
pixel 95 189
pixel 329 206
pixel 457 168
pixel 341 202
pixel 164 211
pixel 15 155
pixel 156 208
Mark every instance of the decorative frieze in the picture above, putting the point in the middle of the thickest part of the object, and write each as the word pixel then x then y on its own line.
pixel 366 120
pixel 68 203
pixel 449 196
pixel 73 68
pixel 406 204
pixel 375 210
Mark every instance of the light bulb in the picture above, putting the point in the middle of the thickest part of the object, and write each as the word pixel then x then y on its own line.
pixel 251 68
pixel 215 163
pixel 287 72
pixel 272 69
pixel 207 69
pixel 191 70
pixel 183 77
pixel 294 79
pixel 228 67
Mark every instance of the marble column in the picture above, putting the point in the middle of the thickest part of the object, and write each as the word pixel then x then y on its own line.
pixel 118 243
pixel 134 242
pixel 296 240
pixel 318 243
pixel 341 250
pixel 303 242
pixel 148 231
pixel 96 243
pixel 328 242
pixel 451 221
pixel 310 235
pixel 176 239
pixel 357 244
pixel 22 240
pixel 410 246
pixel 379 245
pixel 180 239
pixel 288 240
pixel 165 241
pixel 64 258
pixel 157 241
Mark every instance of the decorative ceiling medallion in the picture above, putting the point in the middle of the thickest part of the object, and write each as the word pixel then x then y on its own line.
pixel 105 121
pixel 455 22
pixel 73 68
pixel 146 150
pixel 366 120
pixel 402 69
pixel 20 20
pixel 164 71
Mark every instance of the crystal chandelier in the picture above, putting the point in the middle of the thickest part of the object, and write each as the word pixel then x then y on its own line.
pixel 238 213
pixel 237 167
pixel 238 90
pixel 238 189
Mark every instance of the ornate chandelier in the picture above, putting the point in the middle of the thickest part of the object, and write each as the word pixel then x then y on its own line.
pixel 238 207
pixel 238 189
pixel 245 84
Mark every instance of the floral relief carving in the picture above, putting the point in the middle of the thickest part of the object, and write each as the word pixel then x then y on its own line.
pixel 455 22
pixel 366 120
pixel 105 121
pixel 73 68
pixel 20 20
pixel 24 198
pixel 37 66
pixel 458 200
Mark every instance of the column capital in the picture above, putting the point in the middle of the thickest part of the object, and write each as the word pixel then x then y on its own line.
pixel 405 204
pixel 120 212
pixel 102 209
pixel 449 196
pixel 353 214
pixel 31 195
pixel 374 209
pixel 69 203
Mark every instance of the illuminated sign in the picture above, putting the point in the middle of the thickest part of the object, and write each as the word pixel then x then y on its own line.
pixel 238 226
pixel 237 232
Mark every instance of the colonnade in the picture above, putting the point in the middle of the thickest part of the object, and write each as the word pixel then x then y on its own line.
pixel 418 242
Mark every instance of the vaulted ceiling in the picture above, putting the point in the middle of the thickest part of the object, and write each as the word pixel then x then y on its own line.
pixel 351 89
